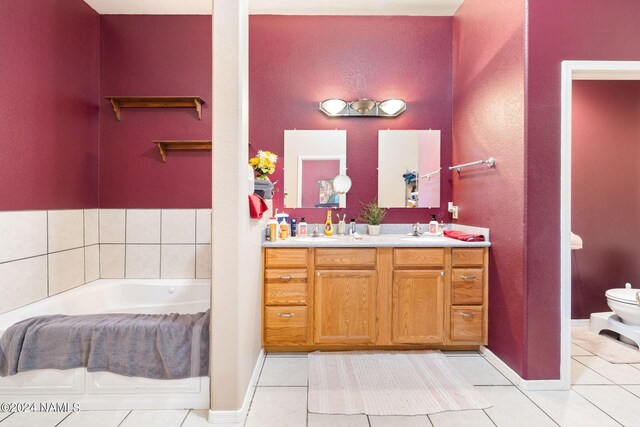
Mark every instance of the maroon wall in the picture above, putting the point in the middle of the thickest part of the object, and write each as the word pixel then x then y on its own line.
pixel 154 55
pixel 49 80
pixel 605 149
pixel 296 61
pixel 559 30
pixel 488 120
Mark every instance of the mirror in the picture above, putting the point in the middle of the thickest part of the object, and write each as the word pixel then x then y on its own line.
pixel 404 158
pixel 312 158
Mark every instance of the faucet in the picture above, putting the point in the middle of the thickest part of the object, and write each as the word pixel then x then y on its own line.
pixel 416 229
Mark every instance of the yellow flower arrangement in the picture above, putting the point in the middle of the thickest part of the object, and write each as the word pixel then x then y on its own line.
pixel 264 163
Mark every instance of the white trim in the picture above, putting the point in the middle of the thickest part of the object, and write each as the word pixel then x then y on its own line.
pixel 529 385
pixel 238 416
pixel 576 70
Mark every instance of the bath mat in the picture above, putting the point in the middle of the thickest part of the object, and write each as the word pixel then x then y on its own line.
pixel 605 347
pixel 388 383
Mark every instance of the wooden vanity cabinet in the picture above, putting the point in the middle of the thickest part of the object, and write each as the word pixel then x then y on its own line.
pixel 467 316
pixel 359 298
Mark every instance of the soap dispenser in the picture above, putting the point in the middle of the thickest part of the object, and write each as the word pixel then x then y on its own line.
pixel 433 225
pixel 328 225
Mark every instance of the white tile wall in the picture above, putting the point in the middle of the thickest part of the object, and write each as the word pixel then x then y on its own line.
pixel 46 252
pixel 178 226
pixel 66 230
pixel 203 226
pixel 112 261
pixel 143 261
pixel 22 282
pixel 91 263
pixel 66 270
pixel 178 262
pixel 203 261
pixel 143 226
pixel 91 227
pixel 23 234
pixel 112 225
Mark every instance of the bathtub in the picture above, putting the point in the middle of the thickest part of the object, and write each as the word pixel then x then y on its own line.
pixel 104 390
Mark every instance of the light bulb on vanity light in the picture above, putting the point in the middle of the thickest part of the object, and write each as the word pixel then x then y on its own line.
pixel 341 184
pixel 393 106
pixel 332 106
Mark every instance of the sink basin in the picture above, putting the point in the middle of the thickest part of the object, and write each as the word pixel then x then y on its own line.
pixel 314 239
pixel 423 238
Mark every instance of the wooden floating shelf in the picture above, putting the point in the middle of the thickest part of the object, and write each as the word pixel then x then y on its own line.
pixel 164 145
pixel 119 102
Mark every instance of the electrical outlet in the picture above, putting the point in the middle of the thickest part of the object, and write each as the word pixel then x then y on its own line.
pixel 454 212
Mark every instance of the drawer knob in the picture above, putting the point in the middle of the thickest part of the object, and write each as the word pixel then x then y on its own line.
pixel 463 314
pixel 287 277
pixel 442 273
pixel 286 314
pixel 473 276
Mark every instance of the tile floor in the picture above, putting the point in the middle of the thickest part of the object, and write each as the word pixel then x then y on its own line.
pixel 603 394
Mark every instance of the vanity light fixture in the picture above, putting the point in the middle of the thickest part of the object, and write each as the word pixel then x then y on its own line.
pixel 363 107
pixel 341 184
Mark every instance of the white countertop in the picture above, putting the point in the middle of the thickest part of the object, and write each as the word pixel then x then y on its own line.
pixel 384 240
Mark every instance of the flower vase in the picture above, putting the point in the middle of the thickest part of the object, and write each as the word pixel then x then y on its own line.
pixel 263 187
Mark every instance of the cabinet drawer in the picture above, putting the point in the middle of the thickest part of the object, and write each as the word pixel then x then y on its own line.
pixel 276 258
pixel 467 256
pixel 292 293
pixel 466 323
pixel 352 258
pixel 418 257
pixel 285 276
pixel 466 286
pixel 285 325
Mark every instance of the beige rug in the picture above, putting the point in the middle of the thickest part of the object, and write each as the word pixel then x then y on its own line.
pixel 605 347
pixel 388 383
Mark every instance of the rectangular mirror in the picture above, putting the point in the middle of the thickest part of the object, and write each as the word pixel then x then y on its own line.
pixel 404 158
pixel 312 158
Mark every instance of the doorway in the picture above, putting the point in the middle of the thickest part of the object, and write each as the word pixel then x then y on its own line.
pixel 576 70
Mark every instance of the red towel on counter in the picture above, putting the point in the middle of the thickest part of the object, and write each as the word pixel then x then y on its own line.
pixel 465 237
pixel 257 206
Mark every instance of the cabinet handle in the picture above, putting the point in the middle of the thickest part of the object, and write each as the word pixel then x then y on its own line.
pixel 473 276
pixel 286 314
pixel 288 277
pixel 463 314
pixel 318 273
pixel 442 273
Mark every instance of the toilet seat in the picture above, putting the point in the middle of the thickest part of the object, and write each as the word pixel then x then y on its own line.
pixel 625 296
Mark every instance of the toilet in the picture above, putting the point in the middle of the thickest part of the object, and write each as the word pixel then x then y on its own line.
pixel 625 318
pixel 625 302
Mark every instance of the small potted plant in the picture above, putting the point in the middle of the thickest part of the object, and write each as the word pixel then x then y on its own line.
pixel 264 164
pixel 372 215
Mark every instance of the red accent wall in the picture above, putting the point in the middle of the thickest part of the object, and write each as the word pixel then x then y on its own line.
pixel 488 120
pixel 297 61
pixel 605 179
pixel 49 80
pixel 561 30
pixel 154 55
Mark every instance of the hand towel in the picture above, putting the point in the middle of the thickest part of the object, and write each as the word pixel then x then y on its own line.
pixel 257 206
pixel 465 237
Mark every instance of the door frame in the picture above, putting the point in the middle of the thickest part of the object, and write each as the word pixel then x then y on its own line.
pixel 576 70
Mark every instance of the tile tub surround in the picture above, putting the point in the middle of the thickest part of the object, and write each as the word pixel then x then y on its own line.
pixel 43 253
pixel 155 243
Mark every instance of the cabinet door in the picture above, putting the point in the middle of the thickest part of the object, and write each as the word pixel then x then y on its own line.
pixel 345 307
pixel 418 307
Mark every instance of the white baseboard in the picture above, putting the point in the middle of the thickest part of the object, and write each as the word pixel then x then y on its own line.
pixel 238 416
pixel 577 323
pixel 529 385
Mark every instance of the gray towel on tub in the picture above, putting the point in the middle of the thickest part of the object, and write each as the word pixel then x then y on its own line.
pixel 160 346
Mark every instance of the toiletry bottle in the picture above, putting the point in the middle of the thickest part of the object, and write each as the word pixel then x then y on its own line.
pixel 433 225
pixel 302 227
pixel 284 230
pixel 352 226
pixel 294 227
pixel 328 225
pixel 273 229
